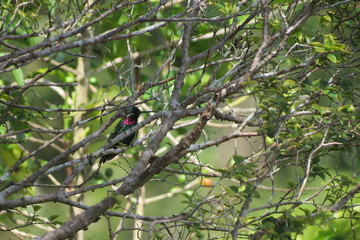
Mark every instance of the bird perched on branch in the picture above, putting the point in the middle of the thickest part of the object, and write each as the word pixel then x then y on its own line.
pixel 129 121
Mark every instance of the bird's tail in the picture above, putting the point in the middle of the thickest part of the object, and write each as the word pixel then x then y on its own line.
pixel 106 157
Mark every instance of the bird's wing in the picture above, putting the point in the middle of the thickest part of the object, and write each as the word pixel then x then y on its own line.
pixel 117 130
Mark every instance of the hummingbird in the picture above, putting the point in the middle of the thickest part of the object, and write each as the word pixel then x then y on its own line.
pixel 130 120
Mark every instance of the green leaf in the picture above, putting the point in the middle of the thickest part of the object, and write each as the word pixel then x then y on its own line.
pixel 19 76
pixel 20 126
pixel 2 129
pixel 53 217
pixel 238 159
pixel 159 235
pixel 242 188
pixel 346 108
pixel 222 171
pixel 329 40
pixel 332 58
pixel 320 49
pixel 319 108
pixel 289 83
pixel 325 20
pixel 234 189
pixel 199 235
pixel 36 208
pixel 317 44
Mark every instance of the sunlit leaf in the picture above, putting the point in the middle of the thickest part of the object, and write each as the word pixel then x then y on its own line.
pixel 19 76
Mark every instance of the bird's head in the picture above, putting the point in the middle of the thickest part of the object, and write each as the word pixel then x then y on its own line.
pixel 132 112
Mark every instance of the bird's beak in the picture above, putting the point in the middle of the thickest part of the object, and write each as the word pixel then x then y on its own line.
pixel 148 111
